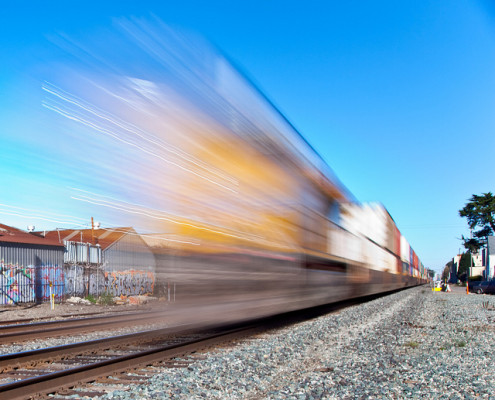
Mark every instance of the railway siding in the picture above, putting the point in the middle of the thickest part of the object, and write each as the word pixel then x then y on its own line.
pixel 415 343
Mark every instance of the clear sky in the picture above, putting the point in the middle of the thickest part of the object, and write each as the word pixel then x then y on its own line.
pixel 397 97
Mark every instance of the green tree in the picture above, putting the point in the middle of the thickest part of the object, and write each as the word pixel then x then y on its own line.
pixel 480 213
pixel 463 268
pixel 446 270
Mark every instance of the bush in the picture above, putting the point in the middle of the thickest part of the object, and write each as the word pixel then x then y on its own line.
pixel 91 298
pixel 475 278
pixel 106 299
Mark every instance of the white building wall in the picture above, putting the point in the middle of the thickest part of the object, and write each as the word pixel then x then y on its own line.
pixel 490 258
pixel 475 271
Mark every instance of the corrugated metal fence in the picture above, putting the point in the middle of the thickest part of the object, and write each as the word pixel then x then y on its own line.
pixel 19 284
pixel 26 273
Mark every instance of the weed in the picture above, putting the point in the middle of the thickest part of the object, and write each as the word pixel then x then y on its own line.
pixel 412 345
pixel 91 298
pixel 106 299
pixel 460 343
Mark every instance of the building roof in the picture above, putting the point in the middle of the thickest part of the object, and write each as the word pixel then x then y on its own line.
pixel 105 237
pixel 9 234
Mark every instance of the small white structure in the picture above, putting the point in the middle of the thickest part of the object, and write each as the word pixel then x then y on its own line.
pixel 489 257
pixel 477 268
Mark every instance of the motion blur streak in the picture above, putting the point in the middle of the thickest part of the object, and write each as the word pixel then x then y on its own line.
pixel 138 142
pixel 219 197
pixel 57 218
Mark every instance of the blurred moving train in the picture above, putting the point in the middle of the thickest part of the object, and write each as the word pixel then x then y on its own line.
pixel 235 203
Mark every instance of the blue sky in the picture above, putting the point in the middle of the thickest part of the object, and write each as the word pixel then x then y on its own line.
pixel 397 97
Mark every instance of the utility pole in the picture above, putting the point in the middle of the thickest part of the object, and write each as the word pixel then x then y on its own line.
pixel 92 231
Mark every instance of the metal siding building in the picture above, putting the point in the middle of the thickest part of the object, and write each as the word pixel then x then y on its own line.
pixel 128 253
pixel 28 265
pixel 113 260
pixel 129 266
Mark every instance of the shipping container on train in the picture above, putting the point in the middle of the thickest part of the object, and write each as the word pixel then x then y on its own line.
pixel 405 251
pixel 373 222
pixel 397 242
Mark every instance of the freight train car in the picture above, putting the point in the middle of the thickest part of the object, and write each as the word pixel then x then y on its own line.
pixel 196 157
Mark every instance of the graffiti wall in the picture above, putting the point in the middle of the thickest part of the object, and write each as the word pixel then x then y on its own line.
pixel 28 284
pixel 81 281
pixel 130 283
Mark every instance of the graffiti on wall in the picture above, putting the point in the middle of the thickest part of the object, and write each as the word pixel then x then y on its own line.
pixel 129 283
pixel 16 284
pixel 54 276
pixel 29 284
pixel 81 281
pixel 26 284
pixel 96 283
pixel 74 285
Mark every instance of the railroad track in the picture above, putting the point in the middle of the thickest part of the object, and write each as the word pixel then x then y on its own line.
pixel 49 318
pixel 31 331
pixel 66 316
pixel 37 373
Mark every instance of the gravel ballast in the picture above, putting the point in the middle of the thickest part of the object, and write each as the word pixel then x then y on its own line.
pixel 412 344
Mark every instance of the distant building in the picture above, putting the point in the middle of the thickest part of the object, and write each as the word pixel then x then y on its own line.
pixel 483 263
pixel 453 278
pixel 489 258
pixel 31 267
pixel 477 268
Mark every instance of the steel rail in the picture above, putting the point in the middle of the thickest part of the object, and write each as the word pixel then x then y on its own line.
pixel 12 361
pixel 21 321
pixel 51 382
pixel 62 328
pixel 88 314
pixel 10 328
